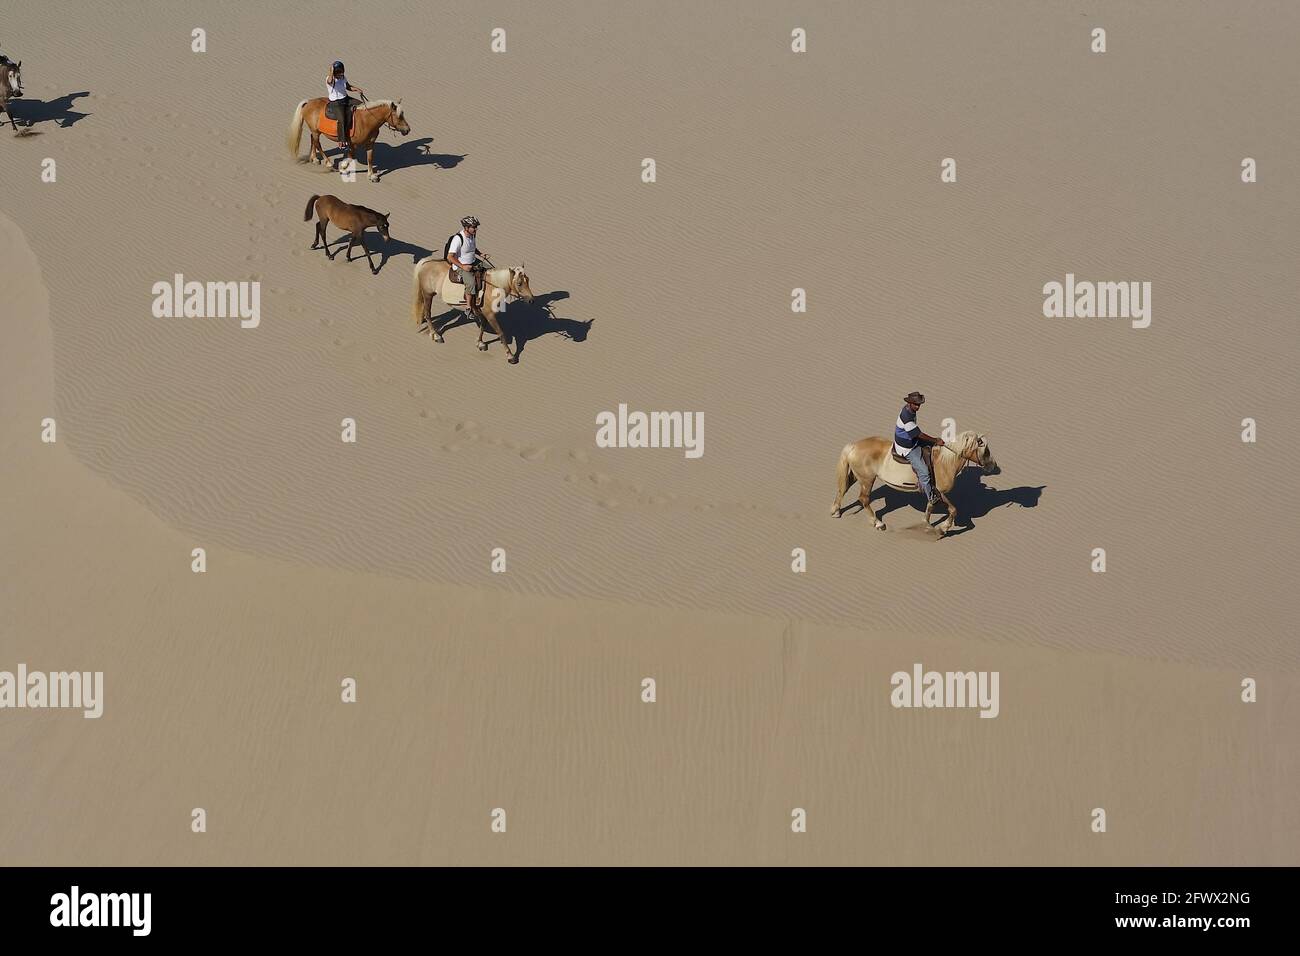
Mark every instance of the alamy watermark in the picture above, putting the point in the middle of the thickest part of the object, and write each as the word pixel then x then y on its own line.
pixel 1102 300
pixel 626 429
pixel 76 908
pixel 82 690
pixel 922 688
pixel 208 300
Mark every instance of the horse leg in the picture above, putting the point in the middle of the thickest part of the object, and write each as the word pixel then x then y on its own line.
pixel 844 480
pixel 865 498
pixel 952 513
pixel 490 315
pixel 323 224
pixel 362 237
pixel 370 162
pixel 319 238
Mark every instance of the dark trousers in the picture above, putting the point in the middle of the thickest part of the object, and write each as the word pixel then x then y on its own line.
pixel 342 111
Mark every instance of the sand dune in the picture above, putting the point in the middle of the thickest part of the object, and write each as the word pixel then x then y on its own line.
pixel 374 558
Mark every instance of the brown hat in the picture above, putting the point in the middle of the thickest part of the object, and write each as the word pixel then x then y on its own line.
pixel 915 398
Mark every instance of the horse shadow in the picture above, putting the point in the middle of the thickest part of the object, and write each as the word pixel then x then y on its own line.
pixel 970 496
pixel 397 247
pixel 409 154
pixel 524 321
pixel 60 111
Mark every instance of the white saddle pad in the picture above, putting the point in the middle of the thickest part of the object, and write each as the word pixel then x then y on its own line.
pixel 898 476
pixel 453 293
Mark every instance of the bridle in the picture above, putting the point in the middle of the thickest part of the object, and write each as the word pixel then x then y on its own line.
pixel 514 283
pixel 965 456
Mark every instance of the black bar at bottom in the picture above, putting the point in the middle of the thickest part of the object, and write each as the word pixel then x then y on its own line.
pixel 540 905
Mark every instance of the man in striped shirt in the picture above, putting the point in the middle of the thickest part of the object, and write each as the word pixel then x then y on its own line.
pixel 909 441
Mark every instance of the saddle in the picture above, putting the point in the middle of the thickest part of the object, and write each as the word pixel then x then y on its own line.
pixel 453 290
pixel 329 121
pixel 927 454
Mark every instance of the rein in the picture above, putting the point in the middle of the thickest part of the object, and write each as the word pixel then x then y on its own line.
pixel 966 457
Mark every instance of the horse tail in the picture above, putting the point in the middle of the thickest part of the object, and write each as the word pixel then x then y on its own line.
pixel 420 297
pixel 311 204
pixel 295 130
pixel 844 476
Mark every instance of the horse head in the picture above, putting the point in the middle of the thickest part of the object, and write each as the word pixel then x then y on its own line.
pixel 13 76
pixel 519 284
pixel 988 464
pixel 397 119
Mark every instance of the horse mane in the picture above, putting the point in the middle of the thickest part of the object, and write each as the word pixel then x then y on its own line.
pixel 375 104
pixel 967 438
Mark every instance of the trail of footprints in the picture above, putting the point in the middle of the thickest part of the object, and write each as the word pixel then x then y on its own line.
pixel 609 491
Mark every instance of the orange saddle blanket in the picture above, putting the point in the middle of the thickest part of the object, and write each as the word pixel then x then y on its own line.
pixel 330 126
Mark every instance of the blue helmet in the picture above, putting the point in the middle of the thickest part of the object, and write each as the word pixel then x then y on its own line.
pixel 338 66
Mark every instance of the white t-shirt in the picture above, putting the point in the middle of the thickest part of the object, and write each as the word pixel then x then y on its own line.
pixel 462 247
pixel 339 88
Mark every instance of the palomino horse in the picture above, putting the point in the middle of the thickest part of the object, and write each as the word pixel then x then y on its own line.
pixel 871 458
pixel 367 121
pixel 11 85
pixel 499 286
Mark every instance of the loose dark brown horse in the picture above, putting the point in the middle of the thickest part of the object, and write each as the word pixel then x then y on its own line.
pixel 351 219
pixel 367 121
pixel 11 85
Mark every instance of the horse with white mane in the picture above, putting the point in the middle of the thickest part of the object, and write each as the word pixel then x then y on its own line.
pixel 432 281
pixel 872 459
pixel 367 122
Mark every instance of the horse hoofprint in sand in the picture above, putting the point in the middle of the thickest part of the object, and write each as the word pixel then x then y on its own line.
pixel 871 459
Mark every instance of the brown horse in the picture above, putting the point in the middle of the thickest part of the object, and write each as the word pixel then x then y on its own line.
pixel 367 121
pixel 431 280
pixel 871 458
pixel 11 86
pixel 351 219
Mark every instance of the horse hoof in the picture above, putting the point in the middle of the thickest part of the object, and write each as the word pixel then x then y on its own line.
pixel 835 512
pixel 513 360
pixel 880 526
pixel 373 178
pixel 482 346
pixel 438 338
